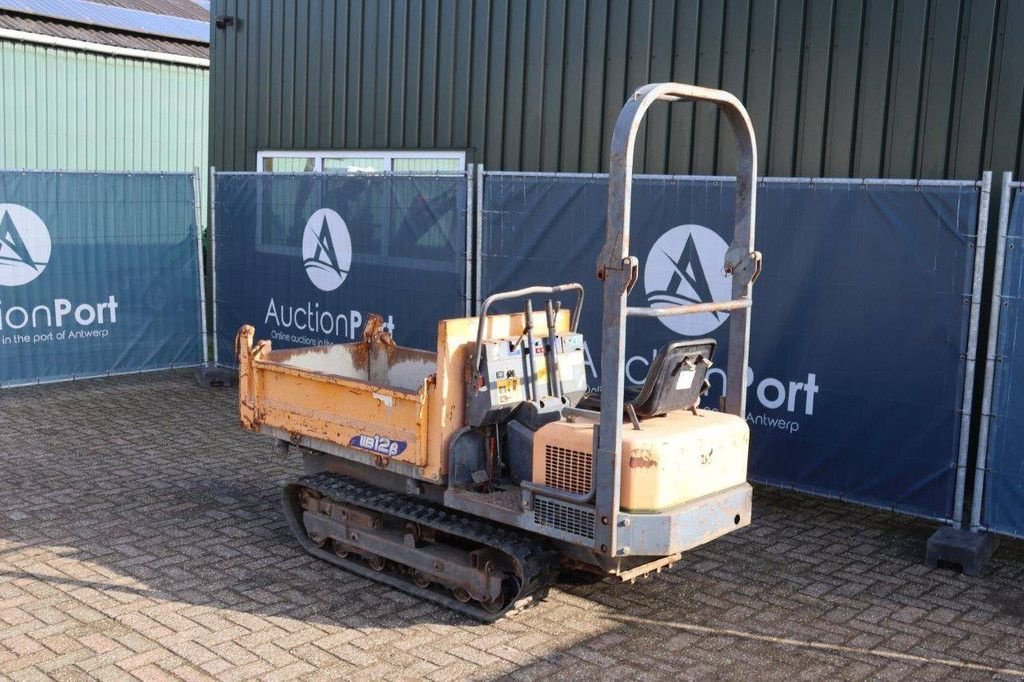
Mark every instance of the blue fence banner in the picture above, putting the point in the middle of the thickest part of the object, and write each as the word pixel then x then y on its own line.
pixel 860 323
pixel 306 258
pixel 1003 510
pixel 99 275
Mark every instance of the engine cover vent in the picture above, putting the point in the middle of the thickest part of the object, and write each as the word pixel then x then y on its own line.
pixel 564 517
pixel 569 470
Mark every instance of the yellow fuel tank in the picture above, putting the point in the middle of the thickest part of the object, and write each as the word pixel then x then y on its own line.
pixel 671 460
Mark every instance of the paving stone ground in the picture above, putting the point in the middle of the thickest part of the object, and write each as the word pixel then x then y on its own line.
pixel 141 537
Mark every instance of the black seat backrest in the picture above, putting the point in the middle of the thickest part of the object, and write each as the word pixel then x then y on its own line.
pixel 676 378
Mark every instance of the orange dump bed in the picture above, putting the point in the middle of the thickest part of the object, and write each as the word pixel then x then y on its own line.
pixel 371 401
pixel 368 397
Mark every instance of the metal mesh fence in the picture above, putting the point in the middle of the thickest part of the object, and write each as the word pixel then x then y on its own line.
pixel 306 258
pixel 998 503
pixel 861 322
pixel 99 274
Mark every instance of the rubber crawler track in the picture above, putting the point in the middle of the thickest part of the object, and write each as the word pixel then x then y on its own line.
pixel 536 565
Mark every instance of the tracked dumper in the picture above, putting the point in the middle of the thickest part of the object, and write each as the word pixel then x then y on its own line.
pixel 472 475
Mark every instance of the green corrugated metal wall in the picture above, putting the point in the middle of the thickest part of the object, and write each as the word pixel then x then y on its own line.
pixel 897 88
pixel 72 110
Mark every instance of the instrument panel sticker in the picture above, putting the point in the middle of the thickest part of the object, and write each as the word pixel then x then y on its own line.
pixel 378 445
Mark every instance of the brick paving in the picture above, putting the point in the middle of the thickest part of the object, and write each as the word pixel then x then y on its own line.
pixel 141 538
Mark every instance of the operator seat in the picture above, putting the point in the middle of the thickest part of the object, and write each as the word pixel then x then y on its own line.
pixel 677 380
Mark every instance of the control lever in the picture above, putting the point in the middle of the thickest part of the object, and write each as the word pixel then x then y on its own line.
pixel 531 365
pixel 554 381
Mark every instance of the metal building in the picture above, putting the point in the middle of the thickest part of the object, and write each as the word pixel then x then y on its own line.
pixel 104 84
pixel 891 88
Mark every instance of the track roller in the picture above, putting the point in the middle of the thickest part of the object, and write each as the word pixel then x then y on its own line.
pixel 478 569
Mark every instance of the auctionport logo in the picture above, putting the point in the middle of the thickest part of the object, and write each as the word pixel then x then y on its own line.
pixel 686 265
pixel 24 245
pixel 326 249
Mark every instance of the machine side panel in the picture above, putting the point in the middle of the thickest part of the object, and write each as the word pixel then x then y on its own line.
pixel 372 419
pixel 455 341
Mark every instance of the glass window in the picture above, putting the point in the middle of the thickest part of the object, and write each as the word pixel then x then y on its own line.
pixel 432 161
pixel 355 164
pixel 288 164
pixel 427 164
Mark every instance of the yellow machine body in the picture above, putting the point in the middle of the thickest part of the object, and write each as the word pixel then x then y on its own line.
pixel 378 403
pixel 371 401
pixel 668 462
pixel 380 407
pixel 468 475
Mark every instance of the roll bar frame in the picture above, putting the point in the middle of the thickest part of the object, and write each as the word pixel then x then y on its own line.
pixel 618 270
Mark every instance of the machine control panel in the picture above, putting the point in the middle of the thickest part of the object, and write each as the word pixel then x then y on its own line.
pixel 511 372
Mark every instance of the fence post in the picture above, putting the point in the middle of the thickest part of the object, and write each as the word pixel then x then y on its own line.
pixel 212 192
pixel 981 465
pixel 956 544
pixel 479 237
pixel 981 235
pixel 468 246
pixel 202 267
pixel 211 374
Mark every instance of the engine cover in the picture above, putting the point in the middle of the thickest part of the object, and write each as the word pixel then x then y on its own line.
pixel 672 460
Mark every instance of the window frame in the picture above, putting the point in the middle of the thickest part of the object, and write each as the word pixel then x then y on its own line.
pixel 318 158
